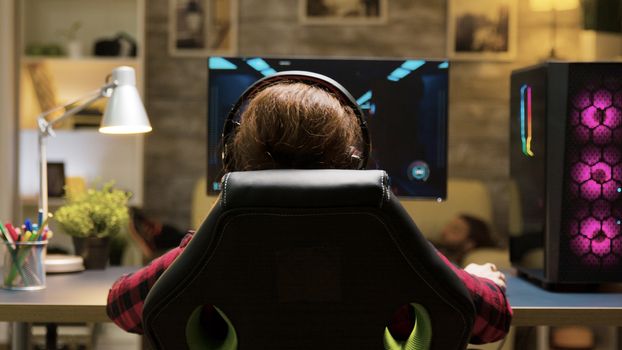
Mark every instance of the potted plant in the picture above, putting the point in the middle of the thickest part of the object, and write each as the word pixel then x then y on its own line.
pixel 92 217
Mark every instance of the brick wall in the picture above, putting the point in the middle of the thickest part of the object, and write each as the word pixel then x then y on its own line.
pixel 479 91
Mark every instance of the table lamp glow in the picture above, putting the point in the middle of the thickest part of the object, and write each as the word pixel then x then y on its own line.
pixel 553 6
pixel 124 114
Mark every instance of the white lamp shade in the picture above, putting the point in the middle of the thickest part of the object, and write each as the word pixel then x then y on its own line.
pixel 124 113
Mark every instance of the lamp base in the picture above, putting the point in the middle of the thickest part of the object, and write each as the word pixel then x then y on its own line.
pixel 60 263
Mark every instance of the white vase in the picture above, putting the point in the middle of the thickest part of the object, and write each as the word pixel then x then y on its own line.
pixel 74 49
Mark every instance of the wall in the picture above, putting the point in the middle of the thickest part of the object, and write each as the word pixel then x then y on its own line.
pixel 94 165
pixel 8 146
pixel 479 92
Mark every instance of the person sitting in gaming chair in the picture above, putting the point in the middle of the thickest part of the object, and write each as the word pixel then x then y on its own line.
pixel 302 126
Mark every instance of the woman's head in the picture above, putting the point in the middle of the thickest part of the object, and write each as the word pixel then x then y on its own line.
pixel 295 125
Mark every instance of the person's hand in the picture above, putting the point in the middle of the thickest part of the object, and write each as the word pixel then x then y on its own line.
pixel 489 271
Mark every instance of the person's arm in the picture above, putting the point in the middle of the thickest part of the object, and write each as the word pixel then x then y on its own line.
pixel 493 310
pixel 128 293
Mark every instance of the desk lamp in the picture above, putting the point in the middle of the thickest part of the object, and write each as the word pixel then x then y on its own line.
pixel 124 114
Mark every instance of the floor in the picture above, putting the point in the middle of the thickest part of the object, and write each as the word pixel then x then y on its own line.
pixel 107 337
pixel 113 338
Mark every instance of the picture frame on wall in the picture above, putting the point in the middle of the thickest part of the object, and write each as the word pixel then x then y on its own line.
pixel 201 28
pixel 343 12
pixel 482 30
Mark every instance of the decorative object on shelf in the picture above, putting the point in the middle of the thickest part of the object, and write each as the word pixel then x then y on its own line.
pixel 343 12
pixel 482 30
pixel 122 45
pixel 92 218
pixel 44 87
pixel 203 27
pixel 73 46
pixel 52 49
pixel 46 93
pixel 56 179
pixel 124 114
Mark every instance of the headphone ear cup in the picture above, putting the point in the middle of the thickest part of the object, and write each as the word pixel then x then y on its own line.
pixel 227 144
pixel 226 158
pixel 365 153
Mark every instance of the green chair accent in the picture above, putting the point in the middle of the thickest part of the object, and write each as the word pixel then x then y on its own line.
pixel 197 340
pixel 420 336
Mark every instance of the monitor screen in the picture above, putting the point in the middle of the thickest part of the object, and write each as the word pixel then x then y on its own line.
pixel 404 102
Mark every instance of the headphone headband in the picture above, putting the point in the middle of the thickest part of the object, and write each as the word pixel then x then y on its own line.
pixel 318 80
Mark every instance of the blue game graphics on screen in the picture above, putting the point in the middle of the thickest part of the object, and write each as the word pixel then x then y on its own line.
pixel 404 102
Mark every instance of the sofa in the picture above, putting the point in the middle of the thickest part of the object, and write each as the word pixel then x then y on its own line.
pixel 464 196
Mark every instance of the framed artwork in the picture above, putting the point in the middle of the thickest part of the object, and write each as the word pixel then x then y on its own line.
pixel 203 28
pixel 482 30
pixel 342 12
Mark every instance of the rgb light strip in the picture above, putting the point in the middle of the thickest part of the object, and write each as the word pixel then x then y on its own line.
pixel 525 91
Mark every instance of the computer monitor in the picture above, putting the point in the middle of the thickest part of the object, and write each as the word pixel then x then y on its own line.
pixel 404 102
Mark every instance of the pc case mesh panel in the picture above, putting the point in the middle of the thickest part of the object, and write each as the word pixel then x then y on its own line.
pixel 592 207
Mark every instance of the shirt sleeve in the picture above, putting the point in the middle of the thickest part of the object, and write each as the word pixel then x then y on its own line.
pixel 493 313
pixel 128 293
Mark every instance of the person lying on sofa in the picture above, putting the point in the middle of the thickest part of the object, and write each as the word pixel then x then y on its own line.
pixel 463 234
pixel 297 125
pixel 153 237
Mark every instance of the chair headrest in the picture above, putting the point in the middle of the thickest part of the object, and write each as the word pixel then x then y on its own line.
pixel 305 188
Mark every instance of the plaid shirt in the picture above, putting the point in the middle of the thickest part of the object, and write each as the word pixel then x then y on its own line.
pixel 492 322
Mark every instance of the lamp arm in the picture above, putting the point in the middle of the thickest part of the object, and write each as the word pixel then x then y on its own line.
pixel 45 130
pixel 45 126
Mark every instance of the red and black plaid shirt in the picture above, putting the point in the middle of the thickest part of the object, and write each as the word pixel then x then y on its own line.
pixel 492 322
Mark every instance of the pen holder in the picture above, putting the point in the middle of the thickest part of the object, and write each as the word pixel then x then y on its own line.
pixel 23 265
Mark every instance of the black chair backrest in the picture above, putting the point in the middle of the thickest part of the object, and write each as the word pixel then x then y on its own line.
pixel 308 259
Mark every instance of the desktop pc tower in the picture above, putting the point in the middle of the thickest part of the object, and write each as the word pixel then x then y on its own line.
pixel 566 173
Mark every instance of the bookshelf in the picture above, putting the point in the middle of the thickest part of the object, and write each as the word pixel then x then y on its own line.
pixel 54 72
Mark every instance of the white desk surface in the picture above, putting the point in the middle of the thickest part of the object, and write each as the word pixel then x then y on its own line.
pixel 74 297
pixel 81 297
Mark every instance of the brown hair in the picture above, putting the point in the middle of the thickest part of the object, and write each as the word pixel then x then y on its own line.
pixel 479 232
pixel 297 126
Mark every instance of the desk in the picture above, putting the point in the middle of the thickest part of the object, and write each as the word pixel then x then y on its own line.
pixel 81 297
pixel 534 306
pixel 75 297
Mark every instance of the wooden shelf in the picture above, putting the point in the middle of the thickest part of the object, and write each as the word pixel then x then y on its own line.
pixel 49 81
pixel 127 61
pixel 34 201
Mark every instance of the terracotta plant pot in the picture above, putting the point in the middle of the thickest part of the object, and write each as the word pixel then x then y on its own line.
pixel 95 251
